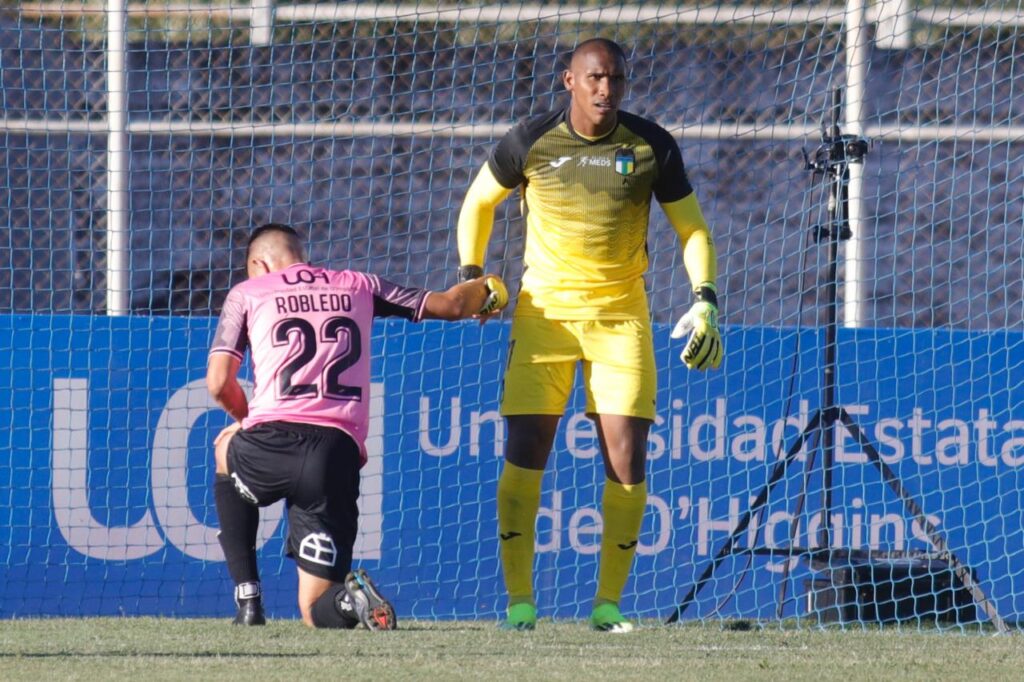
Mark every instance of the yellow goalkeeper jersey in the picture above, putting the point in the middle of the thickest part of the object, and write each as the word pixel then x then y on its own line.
pixel 587 207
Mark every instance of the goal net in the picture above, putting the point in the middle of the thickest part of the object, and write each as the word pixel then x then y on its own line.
pixel 140 146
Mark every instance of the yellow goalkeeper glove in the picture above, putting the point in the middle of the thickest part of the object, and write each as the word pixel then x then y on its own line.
pixel 497 296
pixel 704 348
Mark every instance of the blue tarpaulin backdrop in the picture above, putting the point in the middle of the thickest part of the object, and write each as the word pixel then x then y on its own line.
pixel 108 509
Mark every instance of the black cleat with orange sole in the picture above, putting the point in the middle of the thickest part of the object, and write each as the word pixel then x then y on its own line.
pixel 374 611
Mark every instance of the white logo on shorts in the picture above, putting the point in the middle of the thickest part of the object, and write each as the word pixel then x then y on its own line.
pixel 318 548
pixel 243 490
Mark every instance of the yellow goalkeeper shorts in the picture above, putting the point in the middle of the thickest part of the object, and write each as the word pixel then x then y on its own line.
pixel 618 366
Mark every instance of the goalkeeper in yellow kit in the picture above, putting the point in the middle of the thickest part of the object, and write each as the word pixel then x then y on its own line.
pixel 587 175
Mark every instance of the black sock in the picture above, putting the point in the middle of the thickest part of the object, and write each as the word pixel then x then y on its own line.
pixel 239 524
pixel 332 609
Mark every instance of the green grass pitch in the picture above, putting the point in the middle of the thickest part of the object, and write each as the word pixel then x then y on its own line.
pixel 151 649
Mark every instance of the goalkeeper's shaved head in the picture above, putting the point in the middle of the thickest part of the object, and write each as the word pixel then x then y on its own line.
pixel 273 247
pixel 609 47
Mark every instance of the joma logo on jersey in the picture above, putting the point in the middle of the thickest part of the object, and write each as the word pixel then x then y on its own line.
pixel 599 161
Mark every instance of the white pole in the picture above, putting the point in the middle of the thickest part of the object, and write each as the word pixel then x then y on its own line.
pixel 117 161
pixel 892 24
pixel 261 22
pixel 857 55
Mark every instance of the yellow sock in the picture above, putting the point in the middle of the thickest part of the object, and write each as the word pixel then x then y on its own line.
pixel 518 501
pixel 622 508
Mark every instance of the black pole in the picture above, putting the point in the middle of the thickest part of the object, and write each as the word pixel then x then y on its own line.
pixel 838 170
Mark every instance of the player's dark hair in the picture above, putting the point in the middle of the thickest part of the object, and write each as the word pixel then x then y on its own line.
pixel 291 234
pixel 610 45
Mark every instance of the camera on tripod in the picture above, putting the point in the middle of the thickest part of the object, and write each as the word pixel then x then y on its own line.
pixel 836 152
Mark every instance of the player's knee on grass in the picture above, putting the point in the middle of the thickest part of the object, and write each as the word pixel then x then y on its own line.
pixel 332 610
pixel 323 601
pixel 311 589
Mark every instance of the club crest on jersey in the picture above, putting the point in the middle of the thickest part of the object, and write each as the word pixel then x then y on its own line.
pixel 625 162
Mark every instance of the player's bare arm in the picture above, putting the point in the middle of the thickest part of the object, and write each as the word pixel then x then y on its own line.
pixel 482 296
pixel 222 383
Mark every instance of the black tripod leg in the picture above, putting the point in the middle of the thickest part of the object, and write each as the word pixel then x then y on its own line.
pixel 938 541
pixel 741 527
pixel 781 601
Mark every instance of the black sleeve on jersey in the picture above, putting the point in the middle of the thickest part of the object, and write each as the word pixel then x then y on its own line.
pixel 385 308
pixel 243 341
pixel 672 183
pixel 395 300
pixel 508 160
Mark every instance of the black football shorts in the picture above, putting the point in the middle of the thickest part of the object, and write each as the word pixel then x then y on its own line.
pixel 316 470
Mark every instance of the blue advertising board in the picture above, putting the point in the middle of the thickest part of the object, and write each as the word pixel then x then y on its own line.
pixel 107 470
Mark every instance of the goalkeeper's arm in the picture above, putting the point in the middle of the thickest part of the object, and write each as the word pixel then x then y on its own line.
pixel 704 347
pixel 476 220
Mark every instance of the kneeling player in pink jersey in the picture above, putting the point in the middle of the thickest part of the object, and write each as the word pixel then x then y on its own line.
pixel 302 435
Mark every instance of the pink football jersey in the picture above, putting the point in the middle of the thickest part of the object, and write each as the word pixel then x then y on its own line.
pixel 308 330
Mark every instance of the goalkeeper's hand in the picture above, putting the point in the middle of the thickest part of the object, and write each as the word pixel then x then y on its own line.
pixel 704 347
pixel 497 292
pixel 497 296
